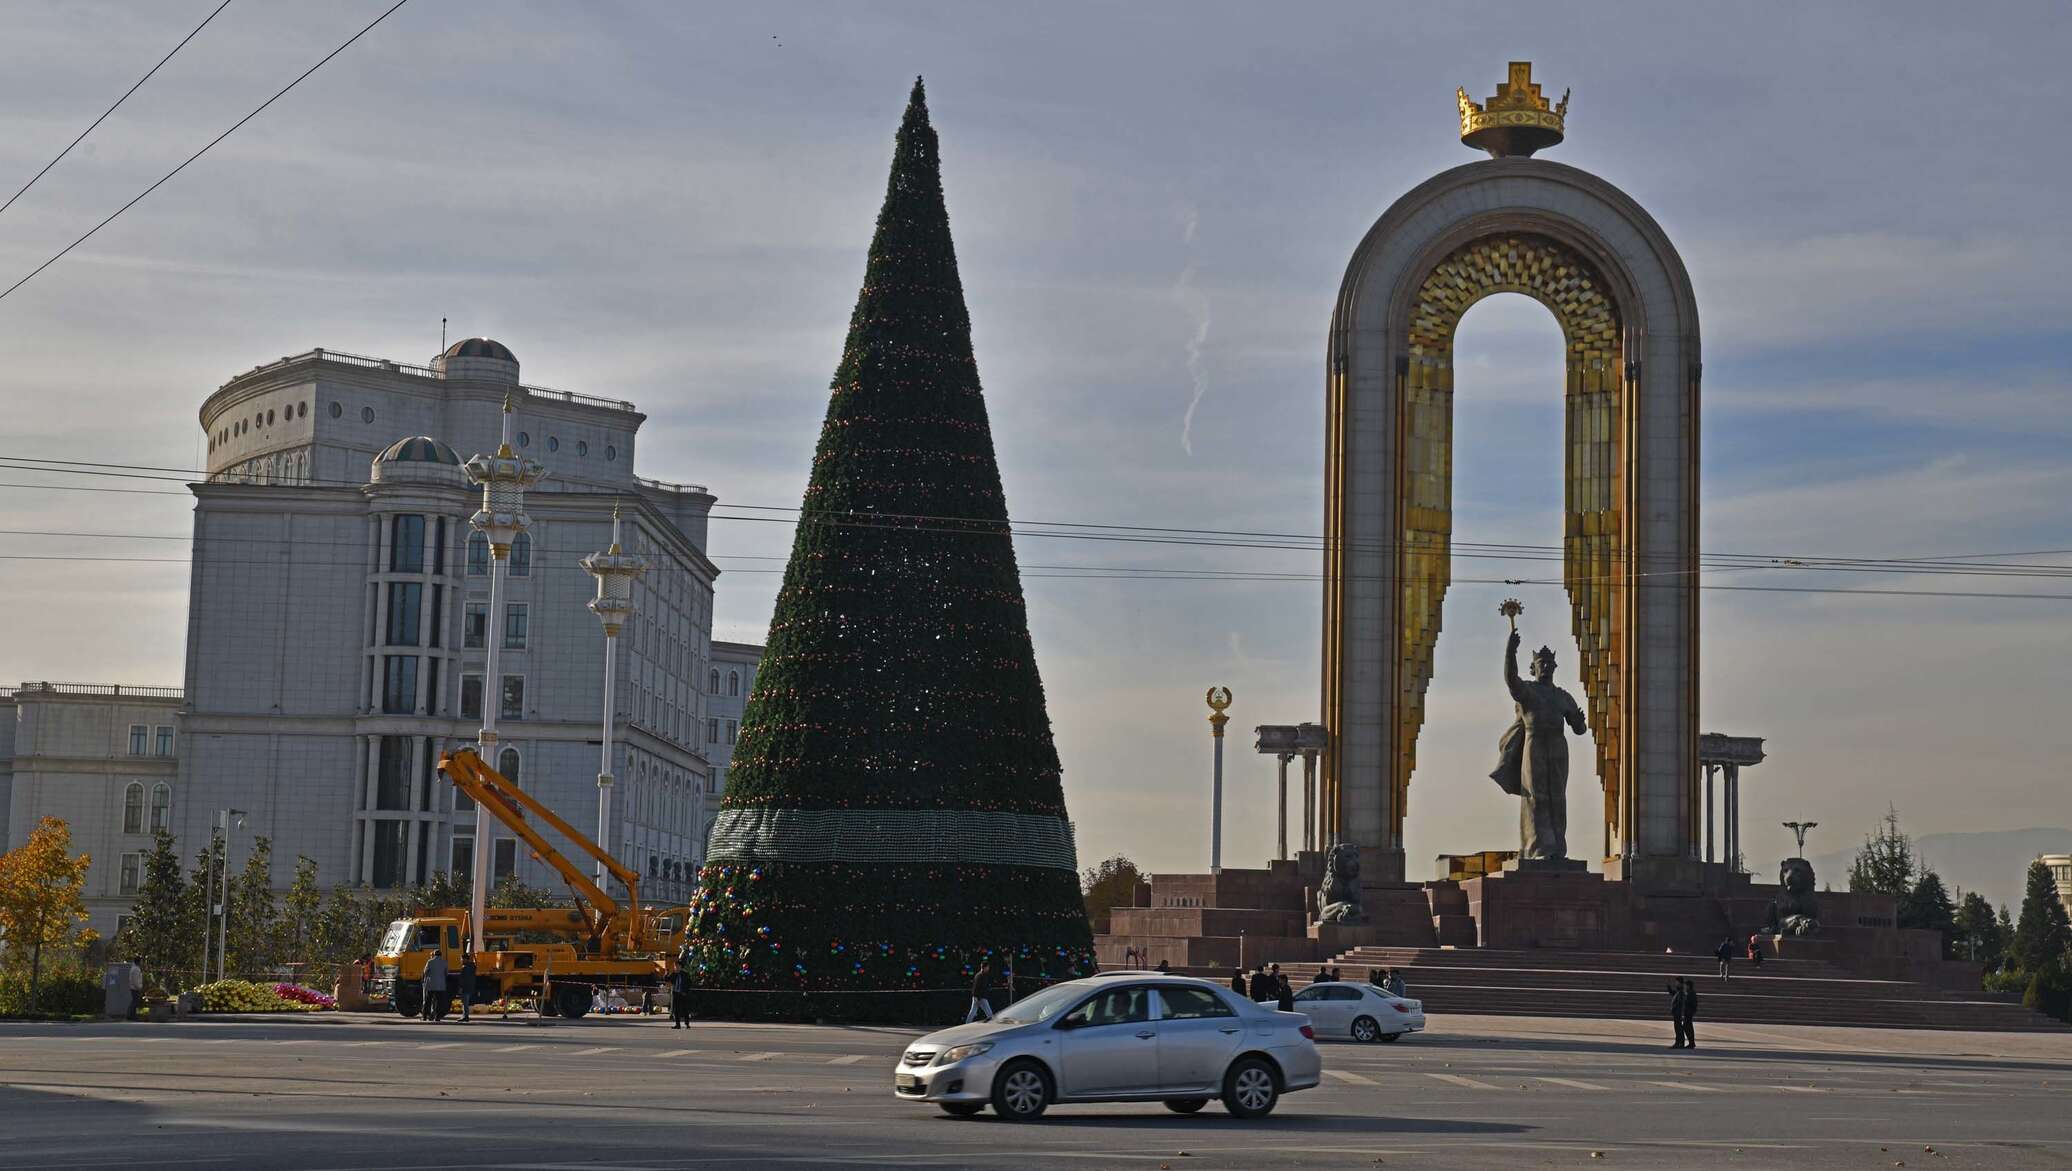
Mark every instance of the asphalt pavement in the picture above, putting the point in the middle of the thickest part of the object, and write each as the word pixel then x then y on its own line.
pixel 337 1093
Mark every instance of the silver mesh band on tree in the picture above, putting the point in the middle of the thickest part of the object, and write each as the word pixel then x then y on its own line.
pixel 892 836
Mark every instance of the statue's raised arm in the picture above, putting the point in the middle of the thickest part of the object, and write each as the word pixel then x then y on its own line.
pixel 1511 680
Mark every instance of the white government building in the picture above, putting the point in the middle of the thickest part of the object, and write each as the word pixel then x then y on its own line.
pixel 337 635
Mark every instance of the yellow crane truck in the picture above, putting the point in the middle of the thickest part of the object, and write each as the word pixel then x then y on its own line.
pixel 554 956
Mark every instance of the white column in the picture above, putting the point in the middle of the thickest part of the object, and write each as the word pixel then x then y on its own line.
pixel 604 765
pixel 492 699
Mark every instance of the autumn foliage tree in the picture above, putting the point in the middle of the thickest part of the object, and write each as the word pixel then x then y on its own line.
pixel 41 903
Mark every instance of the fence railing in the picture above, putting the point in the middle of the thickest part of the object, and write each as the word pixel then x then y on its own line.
pixel 46 688
pixel 340 356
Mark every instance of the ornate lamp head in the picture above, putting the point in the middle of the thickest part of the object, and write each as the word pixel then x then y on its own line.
pixel 1516 121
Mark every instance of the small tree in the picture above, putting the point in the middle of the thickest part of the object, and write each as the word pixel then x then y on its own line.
pixel 158 934
pixel 1927 907
pixel 2043 935
pixel 511 893
pixel 1886 864
pixel 294 941
pixel 444 890
pixel 1110 885
pixel 197 920
pixel 1978 933
pixel 41 907
pixel 254 915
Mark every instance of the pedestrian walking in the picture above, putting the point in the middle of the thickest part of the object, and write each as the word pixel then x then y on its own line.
pixel 1285 992
pixel 680 997
pixel 1690 1013
pixel 136 986
pixel 1676 1014
pixel 467 984
pixel 435 986
pixel 981 994
pixel 1395 984
pixel 1726 956
pixel 1007 982
pixel 1237 982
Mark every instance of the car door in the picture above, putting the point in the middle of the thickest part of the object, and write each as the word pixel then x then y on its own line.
pixel 1109 1044
pixel 1312 1003
pixel 1198 1034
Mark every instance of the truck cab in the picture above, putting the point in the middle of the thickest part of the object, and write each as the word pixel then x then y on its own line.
pixel 406 947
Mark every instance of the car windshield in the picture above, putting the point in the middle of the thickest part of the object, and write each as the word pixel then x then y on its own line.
pixel 392 942
pixel 1041 1006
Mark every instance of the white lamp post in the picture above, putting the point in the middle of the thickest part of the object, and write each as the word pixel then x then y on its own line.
pixel 614 571
pixel 504 478
pixel 1219 701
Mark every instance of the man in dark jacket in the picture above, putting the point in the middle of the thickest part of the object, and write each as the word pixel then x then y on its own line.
pixel 1237 982
pixel 981 994
pixel 1285 991
pixel 680 997
pixel 1263 986
pixel 467 984
pixel 1726 956
pixel 1676 1011
pixel 1690 1013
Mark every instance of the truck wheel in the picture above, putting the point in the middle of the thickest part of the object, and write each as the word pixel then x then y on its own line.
pixel 408 999
pixel 547 1005
pixel 573 1000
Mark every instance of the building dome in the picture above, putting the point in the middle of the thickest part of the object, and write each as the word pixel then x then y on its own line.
pixel 422 449
pixel 480 347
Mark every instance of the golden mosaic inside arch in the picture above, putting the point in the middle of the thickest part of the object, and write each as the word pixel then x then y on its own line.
pixel 1594 541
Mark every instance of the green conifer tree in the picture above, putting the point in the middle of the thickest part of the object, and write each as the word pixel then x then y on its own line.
pixel 2043 934
pixel 894 810
pixel 254 914
pixel 1978 933
pixel 301 908
pixel 158 932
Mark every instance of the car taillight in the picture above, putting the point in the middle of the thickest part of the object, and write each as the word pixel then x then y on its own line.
pixel 1309 1032
pixel 1399 1006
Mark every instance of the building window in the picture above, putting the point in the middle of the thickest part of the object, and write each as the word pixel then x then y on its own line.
pixel 505 859
pixel 132 874
pixel 406 543
pixel 733 730
pixel 471 697
pixel 140 734
pixel 512 706
pixel 525 439
pixel 733 683
pixel 337 409
pixel 582 447
pixel 553 443
pixel 405 600
pixel 713 682
pixel 133 808
pixel 461 859
pixel 508 764
pixel 610 453
pixel 399 685
pixel 521 556
pixel 475 626
pixel 712 730
pixel 367 416
pixel 388 854
pixel 163 741
pixel 514 626
pixel 161 807
pixel 438 615
pixel 439 548
pixel 392 773
pixel 478 555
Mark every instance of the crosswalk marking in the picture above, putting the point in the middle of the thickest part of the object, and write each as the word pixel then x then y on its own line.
pixel 1688 1086
pixel 302 1042
pixel 851 1059
pixel 595 1050
pixel 353 1044
pixel 759 1056
pixel 443 1045
pixel 1802 1089
pixel 513 1048
pixel 1468 1082
pixel 679 1053
pixel 1354 1078
pixel 1571 1083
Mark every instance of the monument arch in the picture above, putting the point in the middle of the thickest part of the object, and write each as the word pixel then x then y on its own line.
pixel 1629 322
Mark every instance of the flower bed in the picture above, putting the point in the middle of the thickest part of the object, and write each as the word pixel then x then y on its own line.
pixel 245 996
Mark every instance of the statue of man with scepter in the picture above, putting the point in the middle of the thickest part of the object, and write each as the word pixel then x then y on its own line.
pixel 1532 755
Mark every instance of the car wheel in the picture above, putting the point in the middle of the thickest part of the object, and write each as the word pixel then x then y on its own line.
pixel 1021 1091
pixel 1366 1031
pixel 1251 1088
pixel 1185 1105
pixel 1391 1038
pixel 961 1109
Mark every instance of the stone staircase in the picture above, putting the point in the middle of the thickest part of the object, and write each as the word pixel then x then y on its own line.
pixel 1631 985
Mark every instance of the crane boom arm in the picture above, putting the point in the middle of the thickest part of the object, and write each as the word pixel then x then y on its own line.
pixel 504 800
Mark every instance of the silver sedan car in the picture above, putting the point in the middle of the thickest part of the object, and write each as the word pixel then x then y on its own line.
pixel 1116 1037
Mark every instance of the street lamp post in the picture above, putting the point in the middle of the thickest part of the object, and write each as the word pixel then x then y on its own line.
pixel 1219 701
pixel 1798 829
pixel 504 478
pixel 220 910
pixel 615 572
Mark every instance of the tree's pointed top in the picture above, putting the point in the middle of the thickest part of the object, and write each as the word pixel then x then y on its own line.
pixel 918 98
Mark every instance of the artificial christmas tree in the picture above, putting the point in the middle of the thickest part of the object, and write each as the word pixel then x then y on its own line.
pixel 894 812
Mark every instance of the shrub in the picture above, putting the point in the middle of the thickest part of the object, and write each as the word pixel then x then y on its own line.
pixel 57 994
pixel 2050 992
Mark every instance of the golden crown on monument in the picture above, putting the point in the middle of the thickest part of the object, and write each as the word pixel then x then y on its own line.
pixel 1517 121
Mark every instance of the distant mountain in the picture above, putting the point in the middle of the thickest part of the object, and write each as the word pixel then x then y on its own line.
pixel 1992 863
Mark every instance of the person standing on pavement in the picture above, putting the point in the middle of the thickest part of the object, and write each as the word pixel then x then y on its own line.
pixel 1676 1015
pixel 1395 984
pixel 1690 1013
pixel 680 997
pixel 981 994
pixel 1007 981
pixel 1285 991
pixel 435 986
pixel 1262 985
pixel 1237 982
pixel 467 984
pixel 136 985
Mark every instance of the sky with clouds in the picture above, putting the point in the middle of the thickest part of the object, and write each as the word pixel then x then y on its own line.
pixel 1153 206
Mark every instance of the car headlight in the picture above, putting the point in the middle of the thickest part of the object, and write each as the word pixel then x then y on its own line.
pixel 959 1053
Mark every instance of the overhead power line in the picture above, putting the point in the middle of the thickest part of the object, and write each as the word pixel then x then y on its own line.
pixel 111 109
pixel 204 150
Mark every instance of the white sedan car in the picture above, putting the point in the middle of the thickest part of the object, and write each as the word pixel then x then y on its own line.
pixel 1116 1037
pixel 1360 1011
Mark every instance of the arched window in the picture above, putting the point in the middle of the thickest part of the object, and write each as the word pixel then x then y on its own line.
pixel 161 807
pixel 478 554
pixel 521 556
pixel 507 764
pixel 713 680
pixel 733 683
pixel 133 808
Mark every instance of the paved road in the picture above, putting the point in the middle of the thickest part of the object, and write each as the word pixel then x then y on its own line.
pixel 1475 1092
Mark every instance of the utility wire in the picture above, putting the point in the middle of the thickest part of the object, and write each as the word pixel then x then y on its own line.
pixel 204 150
pixel 111 109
